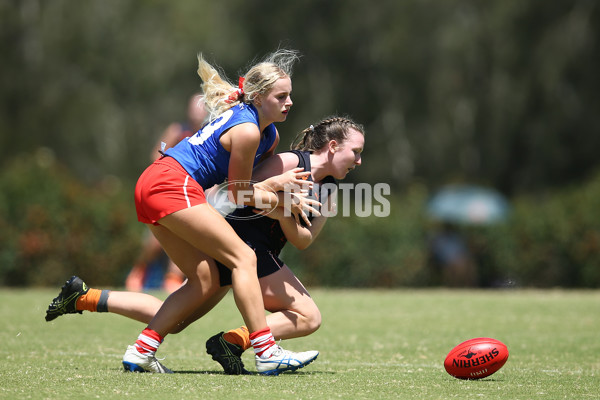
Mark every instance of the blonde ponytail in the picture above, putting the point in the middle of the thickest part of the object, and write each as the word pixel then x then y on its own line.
pixel 220 94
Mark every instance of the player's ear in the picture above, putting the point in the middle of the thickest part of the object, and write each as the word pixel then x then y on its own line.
pixel 257 100
pixel 333 146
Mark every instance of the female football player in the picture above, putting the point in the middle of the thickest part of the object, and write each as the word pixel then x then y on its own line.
pixel 328 150
pixel 170 199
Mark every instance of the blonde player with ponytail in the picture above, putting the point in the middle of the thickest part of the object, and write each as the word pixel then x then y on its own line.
pixel 170 199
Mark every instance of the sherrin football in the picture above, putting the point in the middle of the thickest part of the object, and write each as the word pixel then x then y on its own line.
pixel 476 358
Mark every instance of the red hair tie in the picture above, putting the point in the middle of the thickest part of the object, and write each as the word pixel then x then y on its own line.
pixel 239 93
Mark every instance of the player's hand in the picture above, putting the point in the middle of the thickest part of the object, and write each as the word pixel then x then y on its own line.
pixel 298 204
pixel 292 180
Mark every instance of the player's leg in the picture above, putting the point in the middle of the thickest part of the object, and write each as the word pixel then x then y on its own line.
pixel 208 304
pixel 294 314
pixel 134 305
pixel 165 195
pixel 138 306
pixel 207 236
pixel 201 284
pixel 76 297
pixel 293 311
pixel 221 243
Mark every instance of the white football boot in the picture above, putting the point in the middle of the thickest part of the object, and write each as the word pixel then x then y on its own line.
pixel 134 361
pixel 284 360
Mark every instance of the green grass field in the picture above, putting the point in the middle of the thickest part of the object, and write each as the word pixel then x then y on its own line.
pixel 374 345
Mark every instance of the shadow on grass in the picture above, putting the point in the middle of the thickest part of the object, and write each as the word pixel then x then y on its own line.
pixel 295 373
pixel 481 380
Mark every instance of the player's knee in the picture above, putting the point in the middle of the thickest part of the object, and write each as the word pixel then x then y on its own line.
pixel 313 319
pixel 246 260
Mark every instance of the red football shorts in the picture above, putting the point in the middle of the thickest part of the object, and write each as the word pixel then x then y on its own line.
pixel 163 188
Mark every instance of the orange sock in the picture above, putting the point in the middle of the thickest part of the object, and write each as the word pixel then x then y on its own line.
pixel 89 301
pixel 239 336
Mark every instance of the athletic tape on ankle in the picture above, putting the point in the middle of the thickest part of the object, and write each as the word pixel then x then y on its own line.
pixel 103 302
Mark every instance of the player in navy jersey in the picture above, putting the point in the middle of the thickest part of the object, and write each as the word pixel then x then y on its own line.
pixel 329 150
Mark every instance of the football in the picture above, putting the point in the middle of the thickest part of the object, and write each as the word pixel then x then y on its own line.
pixel 476 358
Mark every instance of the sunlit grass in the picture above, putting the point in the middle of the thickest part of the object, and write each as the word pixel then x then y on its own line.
pixel 387 344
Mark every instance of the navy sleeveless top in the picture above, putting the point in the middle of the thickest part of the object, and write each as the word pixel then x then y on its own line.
pixel 264 233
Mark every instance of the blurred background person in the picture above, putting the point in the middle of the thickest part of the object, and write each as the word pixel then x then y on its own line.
pixel 153 268
pixel 451 258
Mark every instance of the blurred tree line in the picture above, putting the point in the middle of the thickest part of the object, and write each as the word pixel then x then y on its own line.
pixel 498 93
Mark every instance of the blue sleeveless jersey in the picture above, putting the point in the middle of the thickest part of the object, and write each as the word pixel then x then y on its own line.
pixel 203 156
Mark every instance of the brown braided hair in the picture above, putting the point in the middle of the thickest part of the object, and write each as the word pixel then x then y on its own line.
pixel 317 136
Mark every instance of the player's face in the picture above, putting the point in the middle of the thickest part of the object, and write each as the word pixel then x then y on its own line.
pixel 346 156
pixel 197 112
pixel 276 103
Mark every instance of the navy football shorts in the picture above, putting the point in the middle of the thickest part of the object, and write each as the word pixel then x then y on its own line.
pixel 267 263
